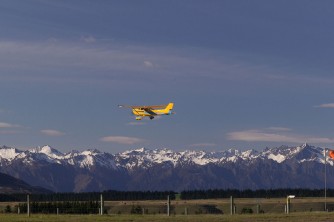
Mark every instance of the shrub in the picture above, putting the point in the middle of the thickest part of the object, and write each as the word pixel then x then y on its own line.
pixel 246 210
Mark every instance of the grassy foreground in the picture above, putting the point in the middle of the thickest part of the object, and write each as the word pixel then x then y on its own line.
pixel 296 217
pixel 302 209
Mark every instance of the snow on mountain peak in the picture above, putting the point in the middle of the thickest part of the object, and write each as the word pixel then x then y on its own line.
pixel 145 158
pixel 90 152
pixel 48 151
pixel 86 161
pixel 8 153
pixel 279 158
pixel 200 157
pixel 303 153
pixel 134 152
pixel 233 151
pixel 249 154
pixel 140 150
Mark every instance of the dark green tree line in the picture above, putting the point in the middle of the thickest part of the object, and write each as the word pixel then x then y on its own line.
pixel 110 195
pixel 86 207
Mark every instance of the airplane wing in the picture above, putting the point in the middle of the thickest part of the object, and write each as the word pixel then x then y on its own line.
pixel 149 107
pixel 144 107
pixel 149 111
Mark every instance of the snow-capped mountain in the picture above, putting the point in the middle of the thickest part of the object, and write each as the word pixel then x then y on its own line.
pixel 164 169
pixel 146 158
pixel 84 159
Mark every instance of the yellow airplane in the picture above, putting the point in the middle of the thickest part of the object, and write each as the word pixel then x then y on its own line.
pixel 150 111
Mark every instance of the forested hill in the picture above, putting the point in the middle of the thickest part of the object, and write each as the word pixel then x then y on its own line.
pixel 10 185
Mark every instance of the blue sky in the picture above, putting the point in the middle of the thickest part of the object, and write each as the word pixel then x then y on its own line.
pixel 242 74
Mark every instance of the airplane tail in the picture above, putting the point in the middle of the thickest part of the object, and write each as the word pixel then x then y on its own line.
pixel 168 109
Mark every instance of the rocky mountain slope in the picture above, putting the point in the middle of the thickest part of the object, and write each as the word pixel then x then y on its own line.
pixel 9 185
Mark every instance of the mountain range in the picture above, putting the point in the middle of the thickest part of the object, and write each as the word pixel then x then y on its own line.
pixel 164 169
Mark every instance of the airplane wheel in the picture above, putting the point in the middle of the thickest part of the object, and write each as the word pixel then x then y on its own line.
pixel 151 117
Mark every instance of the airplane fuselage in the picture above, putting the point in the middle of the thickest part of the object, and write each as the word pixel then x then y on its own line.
pixel 149 111
pixel 142 112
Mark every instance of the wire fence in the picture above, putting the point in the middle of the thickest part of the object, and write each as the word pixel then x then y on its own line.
pixel 174 207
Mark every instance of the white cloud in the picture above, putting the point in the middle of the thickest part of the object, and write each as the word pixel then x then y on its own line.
pixel 122 140
pixel 326 105
pixel 51 132
pixel 279 136
pixel 8 125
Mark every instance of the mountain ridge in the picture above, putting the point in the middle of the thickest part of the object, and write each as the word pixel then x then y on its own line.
pixel 163 169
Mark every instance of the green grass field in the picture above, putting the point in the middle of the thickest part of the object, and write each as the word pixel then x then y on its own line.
pixel 297 217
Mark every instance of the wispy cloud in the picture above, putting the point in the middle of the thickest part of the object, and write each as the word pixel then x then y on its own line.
pixel 325 105
pixel 88 39
pixel 117 65
pixel 122 140
pixel 9 128
pixel 8 125
pixel 148 64
pixel 256 135
pixel 111 62
pixel 100 63
pixel 51 132
pixel 203 144
pixel 292 78
pixel 276 128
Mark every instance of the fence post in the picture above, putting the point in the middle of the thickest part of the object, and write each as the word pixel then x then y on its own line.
pixel 168 206
pixel 231 205
pixel 186 211
pixel 101 198
pixel 28 205
pixel 18 210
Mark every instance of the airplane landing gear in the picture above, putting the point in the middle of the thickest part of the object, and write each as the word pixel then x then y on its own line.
pixel 151 117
